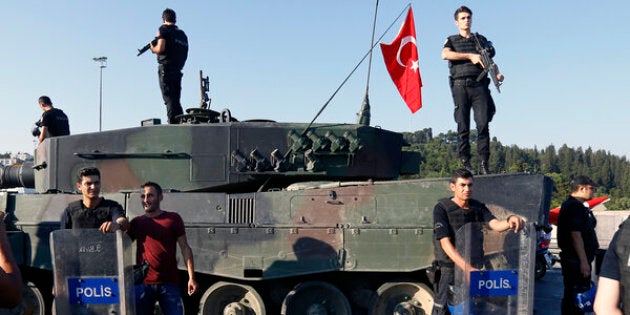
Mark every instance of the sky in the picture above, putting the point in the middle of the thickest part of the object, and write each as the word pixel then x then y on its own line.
pixel 565 64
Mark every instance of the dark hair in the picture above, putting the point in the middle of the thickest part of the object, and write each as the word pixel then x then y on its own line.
pixel 154 185
pixel 581 180
pixel 169 15
pixel 460 173
pixel 460 10
pixel 45 100
pixel 88 171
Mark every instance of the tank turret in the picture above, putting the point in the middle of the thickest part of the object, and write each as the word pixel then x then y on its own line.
pixel 214 156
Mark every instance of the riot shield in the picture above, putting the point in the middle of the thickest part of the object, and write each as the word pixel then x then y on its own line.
pixel 496 279
pixel 93 272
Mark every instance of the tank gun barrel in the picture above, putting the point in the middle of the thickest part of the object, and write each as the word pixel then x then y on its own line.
pixel 13 176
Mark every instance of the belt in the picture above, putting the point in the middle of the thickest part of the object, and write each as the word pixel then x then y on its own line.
pixel 468 81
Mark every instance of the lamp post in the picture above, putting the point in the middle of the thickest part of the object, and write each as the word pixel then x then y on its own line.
pixel 103 64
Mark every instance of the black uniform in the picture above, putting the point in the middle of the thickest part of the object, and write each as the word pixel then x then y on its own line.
pixel 448 218
pixel 171 62
pixel 77 216
pixel 469 94
pixel 616 265
pixel 56 122
pixel 575 217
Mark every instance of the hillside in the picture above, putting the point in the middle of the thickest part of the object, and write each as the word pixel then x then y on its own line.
pixel 610 172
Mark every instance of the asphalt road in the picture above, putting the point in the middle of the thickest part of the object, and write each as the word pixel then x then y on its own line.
pixel 548 292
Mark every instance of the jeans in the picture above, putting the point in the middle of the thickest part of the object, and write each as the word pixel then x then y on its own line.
pixel 167 295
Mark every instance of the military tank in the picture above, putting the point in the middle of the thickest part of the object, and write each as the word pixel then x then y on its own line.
pixel 283 218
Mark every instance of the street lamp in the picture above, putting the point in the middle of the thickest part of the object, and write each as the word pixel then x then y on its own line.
pixel 103 61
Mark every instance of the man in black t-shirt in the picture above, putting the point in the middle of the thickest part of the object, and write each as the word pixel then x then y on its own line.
pixel 53 122
pixel 171 49
pixel 577 241
pixel 614 278
pixel 449 215
pixel 93 211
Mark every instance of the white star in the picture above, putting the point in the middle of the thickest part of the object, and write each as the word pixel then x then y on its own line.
pixel 414 65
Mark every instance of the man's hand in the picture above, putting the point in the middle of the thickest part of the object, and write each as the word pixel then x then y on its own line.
pixel 476 59
pixel 515 222
pixel 500 77
pixel 108 227
pixel 192 286
pixel 585 269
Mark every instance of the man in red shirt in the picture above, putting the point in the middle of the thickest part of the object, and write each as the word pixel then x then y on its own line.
pixel 158 233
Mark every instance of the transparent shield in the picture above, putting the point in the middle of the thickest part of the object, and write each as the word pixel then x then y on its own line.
pixel 93 272
pixel 496 279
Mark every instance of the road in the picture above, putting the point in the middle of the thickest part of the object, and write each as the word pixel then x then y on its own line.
pixel 548 292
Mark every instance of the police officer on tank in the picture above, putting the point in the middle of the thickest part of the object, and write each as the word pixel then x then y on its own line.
pixel 53 123
pixel 171 49
pixel 465 66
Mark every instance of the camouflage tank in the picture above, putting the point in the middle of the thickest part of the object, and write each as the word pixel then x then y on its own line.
pixel 283 218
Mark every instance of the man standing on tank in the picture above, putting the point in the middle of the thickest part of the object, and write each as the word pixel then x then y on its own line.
pixel 157 233
pixel 577 241
pixel 171 49
pixel 53 122
pixel 449 215
pixel 465 64
pixel 93 211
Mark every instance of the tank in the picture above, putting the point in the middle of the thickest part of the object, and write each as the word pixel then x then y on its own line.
pixel 283 218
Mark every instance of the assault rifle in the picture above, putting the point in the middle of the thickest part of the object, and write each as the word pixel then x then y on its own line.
pixel 147 46
pixel 488 63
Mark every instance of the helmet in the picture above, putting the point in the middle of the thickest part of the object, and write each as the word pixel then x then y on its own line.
pixel 584 300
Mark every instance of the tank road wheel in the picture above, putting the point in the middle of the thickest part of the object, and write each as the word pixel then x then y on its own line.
pixel 231 299
pixel 408 298
pixel 315 298
pixel 32 300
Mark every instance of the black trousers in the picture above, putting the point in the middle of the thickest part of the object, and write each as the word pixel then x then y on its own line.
pixel 171 86
pixel 469 94
pixel 447 278
pixel 572 279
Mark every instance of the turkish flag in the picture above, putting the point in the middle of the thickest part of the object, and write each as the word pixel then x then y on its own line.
pixel 401 60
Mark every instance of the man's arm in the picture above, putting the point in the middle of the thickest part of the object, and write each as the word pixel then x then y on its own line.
pixel 512 222
pixel 10 278
pixel 607 297
pixel 451 252
pixel 119 221
pixel 43 134
pixel 449 54
pixel 159 47
pixel 190 265
pixel 578 245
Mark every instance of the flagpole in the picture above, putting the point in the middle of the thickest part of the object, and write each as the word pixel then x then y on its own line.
pixel 365 114
pixel 349 75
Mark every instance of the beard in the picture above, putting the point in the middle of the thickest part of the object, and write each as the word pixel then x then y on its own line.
pixel 149 208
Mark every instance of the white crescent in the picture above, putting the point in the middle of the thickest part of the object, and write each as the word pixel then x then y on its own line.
pixel 406 40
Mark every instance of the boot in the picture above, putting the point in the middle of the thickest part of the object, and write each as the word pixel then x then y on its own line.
pixel 466 165
pixel 483 168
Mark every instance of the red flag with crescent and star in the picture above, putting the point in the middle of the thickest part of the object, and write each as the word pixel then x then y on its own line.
pixel 401 60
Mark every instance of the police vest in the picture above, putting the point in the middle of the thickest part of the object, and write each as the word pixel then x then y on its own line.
pixel 85 218
pixel 623 252
pixel 176 47
pixel 463 68
pixel 457 217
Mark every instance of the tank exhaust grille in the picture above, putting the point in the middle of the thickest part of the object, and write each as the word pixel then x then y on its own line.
pixel 241 211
